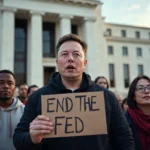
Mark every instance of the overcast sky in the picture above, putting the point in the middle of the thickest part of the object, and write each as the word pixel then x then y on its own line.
pixel 130 12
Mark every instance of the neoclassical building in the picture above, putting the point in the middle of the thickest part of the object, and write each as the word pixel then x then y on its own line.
pixel 30 29
pixel 128 54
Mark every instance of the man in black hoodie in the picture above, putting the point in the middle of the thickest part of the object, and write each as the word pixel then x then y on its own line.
pixel 71 78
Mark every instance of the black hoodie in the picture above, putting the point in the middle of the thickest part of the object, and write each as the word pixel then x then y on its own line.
pixel 119 135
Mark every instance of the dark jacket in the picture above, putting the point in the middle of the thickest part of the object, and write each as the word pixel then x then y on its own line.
pixel 119 135
pixel 134 132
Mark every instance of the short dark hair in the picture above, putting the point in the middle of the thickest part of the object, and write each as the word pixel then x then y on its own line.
pixel 8 71
pixel 71 37
pixel 131 93
pixel 99 77
pixel 30 87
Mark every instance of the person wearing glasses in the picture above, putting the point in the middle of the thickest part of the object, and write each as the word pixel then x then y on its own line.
pixel 138 113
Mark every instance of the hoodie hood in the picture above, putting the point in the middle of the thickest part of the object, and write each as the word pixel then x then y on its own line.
pixel 16 103
pixel 55 81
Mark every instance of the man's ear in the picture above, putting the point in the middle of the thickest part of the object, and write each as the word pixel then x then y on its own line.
pixel 85 62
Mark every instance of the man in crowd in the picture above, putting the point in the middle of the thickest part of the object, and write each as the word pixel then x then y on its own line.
pixel 11 109
pixel 32 89
pixel 71 63
pixel 119 98
pixel 23 93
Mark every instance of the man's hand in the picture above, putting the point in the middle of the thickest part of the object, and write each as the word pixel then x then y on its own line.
pixel 38 127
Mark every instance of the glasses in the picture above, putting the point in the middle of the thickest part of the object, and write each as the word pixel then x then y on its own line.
pixel 142 89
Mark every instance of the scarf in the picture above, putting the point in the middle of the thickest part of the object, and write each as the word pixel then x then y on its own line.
pixel 142 122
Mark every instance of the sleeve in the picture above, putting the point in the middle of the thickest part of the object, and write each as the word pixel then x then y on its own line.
pixel 120 132
pixel 21 137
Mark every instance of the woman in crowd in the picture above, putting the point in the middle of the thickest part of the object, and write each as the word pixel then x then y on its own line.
pixel 101 80
pixel 138 113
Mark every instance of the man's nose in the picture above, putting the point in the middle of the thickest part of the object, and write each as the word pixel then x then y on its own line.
pixel 24 90
pixel 70 57
pixel 6 85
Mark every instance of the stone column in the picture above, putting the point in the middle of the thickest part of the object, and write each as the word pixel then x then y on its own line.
pixel 7 27
pixel 88 36
pixel 65 24
pixel 34 61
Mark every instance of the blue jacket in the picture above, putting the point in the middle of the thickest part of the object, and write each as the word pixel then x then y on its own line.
pixel 119 135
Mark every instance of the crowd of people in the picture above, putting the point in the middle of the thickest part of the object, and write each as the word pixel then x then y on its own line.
pixel 22 125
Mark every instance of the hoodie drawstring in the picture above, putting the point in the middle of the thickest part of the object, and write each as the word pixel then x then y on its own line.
pixel 10 135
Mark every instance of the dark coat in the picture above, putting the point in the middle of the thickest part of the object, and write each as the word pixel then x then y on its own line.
pixel 119 135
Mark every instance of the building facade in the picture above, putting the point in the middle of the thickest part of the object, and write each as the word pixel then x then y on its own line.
pixel 30 29
pixel 128 54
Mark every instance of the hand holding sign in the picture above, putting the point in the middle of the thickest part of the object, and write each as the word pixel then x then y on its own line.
pixel 38 127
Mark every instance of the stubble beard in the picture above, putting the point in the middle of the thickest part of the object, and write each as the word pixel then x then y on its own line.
pixel 4 99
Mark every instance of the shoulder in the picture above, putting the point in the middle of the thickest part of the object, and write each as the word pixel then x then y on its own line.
pixel 22 106
pixel 109 97
pixel 35 98
pixel 42 91
pixel 107 93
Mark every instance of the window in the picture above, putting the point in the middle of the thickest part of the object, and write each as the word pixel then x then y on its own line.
pixel 126 75
pixel 124 51
pixel 49 39
pixel 109 32
pixel 110 50
pixel 74 29
pixel 20 57
pixel 139 52
pixel 123 33
pixel 140 70
pixel 137 34
pixel 112 75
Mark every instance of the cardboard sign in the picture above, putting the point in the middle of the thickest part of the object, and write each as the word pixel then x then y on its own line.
pixel 75 114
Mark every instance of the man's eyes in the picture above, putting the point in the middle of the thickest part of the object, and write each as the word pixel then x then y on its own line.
pixel 63 54
pixel 9 83
pixel 75 54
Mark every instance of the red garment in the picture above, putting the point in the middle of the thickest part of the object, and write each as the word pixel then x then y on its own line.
pixel 24 102
pixel 142 122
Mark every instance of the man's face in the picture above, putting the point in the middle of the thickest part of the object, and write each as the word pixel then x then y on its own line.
pixel 23 91
pixel 7 86
pixel 71 60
